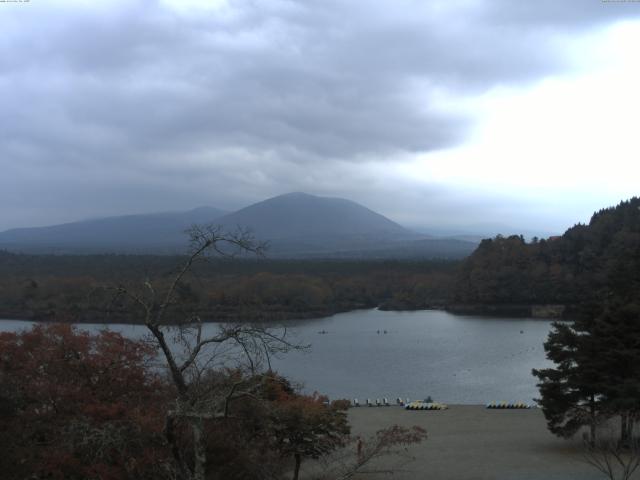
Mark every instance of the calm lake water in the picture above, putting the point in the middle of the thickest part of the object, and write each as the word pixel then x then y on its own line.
pixel 452 358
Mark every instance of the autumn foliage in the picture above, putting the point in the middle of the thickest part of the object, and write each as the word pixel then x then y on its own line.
pixel 80 406
pixel 73 405
pixel 308 426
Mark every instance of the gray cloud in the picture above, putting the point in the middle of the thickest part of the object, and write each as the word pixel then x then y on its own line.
pixel 132 107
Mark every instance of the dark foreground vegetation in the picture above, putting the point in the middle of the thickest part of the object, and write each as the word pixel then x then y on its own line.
pixel 76 406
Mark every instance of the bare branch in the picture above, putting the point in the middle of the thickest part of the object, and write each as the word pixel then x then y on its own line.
pixel 200 392
pixel 201 343
pixel 613 459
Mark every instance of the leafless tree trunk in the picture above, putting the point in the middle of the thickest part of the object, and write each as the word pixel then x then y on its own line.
pixel 594 419
pixel 296 470
pixel 194 403
pixel 199 448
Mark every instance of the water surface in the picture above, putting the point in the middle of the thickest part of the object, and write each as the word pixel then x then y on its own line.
pixel 452 358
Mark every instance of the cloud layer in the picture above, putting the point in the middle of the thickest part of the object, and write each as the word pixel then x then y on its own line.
pixel 120 107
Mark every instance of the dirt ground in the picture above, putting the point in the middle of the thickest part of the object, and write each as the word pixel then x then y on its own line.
pixel 469 442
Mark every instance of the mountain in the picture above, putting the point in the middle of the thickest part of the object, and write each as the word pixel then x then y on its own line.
pixel 302 225
pixel 295 225
pixel 300 216
pixel 154 232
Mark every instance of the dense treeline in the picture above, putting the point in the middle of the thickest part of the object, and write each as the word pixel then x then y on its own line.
pixel 567 270
pixel 74 287
pixel 596 376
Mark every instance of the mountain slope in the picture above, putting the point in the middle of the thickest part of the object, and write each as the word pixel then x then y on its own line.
pixel 295 225
pixel 129 233
pixel 300 215
pixel 300 225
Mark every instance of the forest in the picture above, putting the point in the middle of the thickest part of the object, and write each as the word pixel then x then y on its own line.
pixel 74 288
pixel 594 380
pixel 587 262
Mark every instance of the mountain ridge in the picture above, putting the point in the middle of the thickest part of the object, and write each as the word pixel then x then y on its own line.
pixel 295 225
pixel 123 231
pixel 272 218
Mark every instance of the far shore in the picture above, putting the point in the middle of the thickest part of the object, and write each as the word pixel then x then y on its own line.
pixel 471 442
pixel 541 312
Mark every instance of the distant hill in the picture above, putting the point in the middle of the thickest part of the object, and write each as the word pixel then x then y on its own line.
pixel 154 232
pixel 299 224
pixel 295 225
pixel 302 215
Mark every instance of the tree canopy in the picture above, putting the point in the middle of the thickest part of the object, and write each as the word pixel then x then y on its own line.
pixel 597 356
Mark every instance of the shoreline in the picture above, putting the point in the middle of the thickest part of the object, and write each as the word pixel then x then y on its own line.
pixel 502 311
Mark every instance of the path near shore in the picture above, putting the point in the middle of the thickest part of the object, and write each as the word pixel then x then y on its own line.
pixel 468 442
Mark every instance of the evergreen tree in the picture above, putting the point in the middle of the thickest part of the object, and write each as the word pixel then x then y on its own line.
pixel 571 393
pixel 597 372
pixel 617 331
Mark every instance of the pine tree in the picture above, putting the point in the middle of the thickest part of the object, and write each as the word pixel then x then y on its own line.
pixel 617 331
pixel 597 372
pixel 571 395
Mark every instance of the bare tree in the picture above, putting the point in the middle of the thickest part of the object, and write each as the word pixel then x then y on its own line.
pixel 362 456
pixel 613 458
pixel 191 351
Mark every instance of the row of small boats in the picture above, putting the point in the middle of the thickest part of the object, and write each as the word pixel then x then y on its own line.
pixel 428 404
pixel 504 405
pixel 378 402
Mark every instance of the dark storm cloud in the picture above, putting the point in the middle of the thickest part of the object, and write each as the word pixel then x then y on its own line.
pixel 142 104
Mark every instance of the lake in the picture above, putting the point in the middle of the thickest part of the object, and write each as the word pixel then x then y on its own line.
pixel 452 358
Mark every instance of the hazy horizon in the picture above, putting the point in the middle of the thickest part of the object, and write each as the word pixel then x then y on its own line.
pixel 471 229
pixel 440 115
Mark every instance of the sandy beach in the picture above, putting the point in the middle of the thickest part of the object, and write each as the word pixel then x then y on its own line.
pixel 468 442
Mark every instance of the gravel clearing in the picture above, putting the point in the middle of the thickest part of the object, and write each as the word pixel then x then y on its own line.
pixel 470 442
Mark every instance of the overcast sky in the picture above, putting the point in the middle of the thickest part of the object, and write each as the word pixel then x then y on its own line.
pixel 437 113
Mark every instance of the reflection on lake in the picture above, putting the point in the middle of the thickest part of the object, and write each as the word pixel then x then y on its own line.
pixel 452 358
